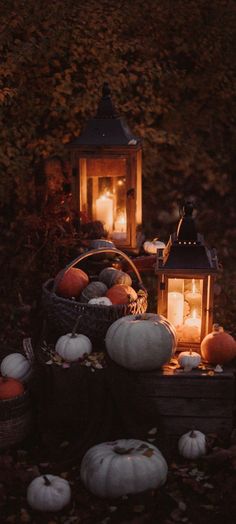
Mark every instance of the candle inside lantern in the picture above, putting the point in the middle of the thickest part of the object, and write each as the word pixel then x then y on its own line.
pixel 194 298
pixel 120 225
pixel 104 211
pixel 175 311
pixel 192 327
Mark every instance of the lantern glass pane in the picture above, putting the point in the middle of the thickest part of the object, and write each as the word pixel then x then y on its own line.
pixel 184 307
pixel 106 195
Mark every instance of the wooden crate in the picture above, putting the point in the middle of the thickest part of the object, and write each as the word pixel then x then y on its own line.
pixel 173 401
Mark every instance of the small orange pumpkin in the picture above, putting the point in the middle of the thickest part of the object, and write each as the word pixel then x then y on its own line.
pixel 218 347
pixel 10 388
pixel 121 294
pixel 71 283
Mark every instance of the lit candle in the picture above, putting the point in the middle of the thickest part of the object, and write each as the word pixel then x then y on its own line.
pixel 192 327
pixel 175 313
pixel 193 297
pixel 120 227
pixel 104 211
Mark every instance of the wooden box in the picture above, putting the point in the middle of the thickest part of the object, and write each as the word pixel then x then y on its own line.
pixel 173 401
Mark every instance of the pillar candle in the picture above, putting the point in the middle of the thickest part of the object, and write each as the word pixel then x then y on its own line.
pixel 175 312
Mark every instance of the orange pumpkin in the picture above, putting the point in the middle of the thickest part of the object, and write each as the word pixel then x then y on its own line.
pixel 121 294
pixel 10 388
pixel 218 347
pixel 71 283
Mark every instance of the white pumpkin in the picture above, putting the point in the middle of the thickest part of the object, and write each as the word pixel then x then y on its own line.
pixel 192 444
pixel 152 246
pixel 113 469
pixel 189 359
pixel 141 342
pixel 100 301
pixel 16 366
pixel 73 346
pixel 48 493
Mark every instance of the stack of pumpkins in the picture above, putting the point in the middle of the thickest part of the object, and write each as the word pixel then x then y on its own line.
pixel 112 287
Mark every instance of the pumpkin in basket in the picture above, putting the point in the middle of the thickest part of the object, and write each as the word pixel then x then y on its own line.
pixel 218 347
pixel 111 276
pixel 121 294
pixel 71 283
pixel 73 346
pixel 125 466
pixel 16 366
pixel 93 290
pixel 100 301
pixel 10 388
pixel 141 342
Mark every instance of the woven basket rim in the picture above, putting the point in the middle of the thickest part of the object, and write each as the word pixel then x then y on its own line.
pixel 15 400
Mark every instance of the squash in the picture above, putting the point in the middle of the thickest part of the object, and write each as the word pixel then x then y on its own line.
pixel 100 301
pixel 48 493
pixel 125 466
pixel 111 276
pixel 218 347
pixel 16 366
pixel 93 290
pixel 189 360
pixel 141 342
pixel 72 283
pixel 73 346
pixel 151 246
pixel 192 444
pixel 121 294
pixel 10 388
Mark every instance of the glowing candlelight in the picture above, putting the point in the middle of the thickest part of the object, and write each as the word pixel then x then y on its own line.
pixel 104 210
pixel 194 298
pixel 120 225
pixel 175 311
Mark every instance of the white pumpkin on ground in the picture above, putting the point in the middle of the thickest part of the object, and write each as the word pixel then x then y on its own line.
pixel 100 301
pixel 192 444
pixel 48 493
pixel 189 359
pixel 16 366
pixel 122 467
pixel 73 346
pixel 141 342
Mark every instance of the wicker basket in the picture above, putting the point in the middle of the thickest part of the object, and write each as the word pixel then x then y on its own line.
pixel 62 313
pixel 15 420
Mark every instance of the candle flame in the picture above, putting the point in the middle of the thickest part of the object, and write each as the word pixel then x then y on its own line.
pixel 193 286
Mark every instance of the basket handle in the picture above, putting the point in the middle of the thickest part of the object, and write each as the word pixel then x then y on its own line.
pixel 92 252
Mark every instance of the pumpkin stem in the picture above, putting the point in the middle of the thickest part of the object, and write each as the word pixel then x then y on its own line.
pixel 122 451
pixel 190 351
pixel 192 434
pixel 217 328
pixel 46 480
pixel 73 333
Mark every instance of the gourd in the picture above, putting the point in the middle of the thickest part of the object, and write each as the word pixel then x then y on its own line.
pixel 189 359
pixel 16 366
pixel 100 301
pixel 93 290
pixel 141 342
pixel 121 294
pixel 125 466
pixel 72 283
pixel 48 493
pixel 73 346
pixel 152 246
pixel 192 444
pixel 10 388
pixel 111 276
pixel 218 347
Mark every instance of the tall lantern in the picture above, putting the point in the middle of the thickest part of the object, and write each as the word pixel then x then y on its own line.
pixel 185 276
pixel 107 173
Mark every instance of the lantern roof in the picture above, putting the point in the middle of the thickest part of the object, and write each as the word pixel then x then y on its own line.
pixel 186 249
pixel 107 128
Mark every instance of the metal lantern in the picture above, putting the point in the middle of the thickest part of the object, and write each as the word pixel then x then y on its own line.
pixel 107 174
pixel 185 276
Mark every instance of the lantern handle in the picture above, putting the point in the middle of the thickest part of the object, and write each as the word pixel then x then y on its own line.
pixel 92 252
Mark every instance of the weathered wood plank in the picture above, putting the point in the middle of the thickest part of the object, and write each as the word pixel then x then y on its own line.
pixel 176 426
pixel 209 387
pixel 183 407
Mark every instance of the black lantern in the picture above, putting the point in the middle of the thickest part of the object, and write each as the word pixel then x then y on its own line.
pixel 186 275
pixel 107 173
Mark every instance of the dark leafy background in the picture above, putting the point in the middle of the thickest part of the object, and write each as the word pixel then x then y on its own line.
pixel 170 65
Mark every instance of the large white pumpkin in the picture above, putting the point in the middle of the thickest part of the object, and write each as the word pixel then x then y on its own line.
pixel 141 342
pixel 73 346
pixel 16 366
pixel 113 469
pixel 48 493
